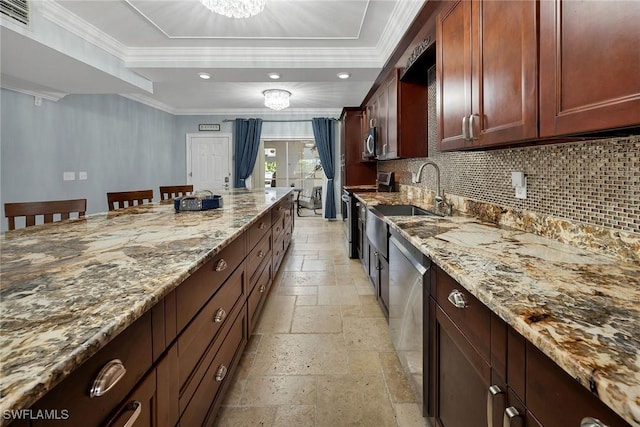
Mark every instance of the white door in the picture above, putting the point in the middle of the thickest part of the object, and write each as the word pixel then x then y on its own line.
pixel 209 161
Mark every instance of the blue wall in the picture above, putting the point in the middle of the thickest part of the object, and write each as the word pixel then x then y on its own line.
pixel 121 144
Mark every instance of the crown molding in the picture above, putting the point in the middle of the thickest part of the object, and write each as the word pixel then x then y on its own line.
pixel 150 102
pixel 50 96
pixel 401 18
pixel 57 14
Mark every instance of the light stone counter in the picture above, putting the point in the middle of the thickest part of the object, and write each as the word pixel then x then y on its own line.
pixel 580 308
pixel 68 288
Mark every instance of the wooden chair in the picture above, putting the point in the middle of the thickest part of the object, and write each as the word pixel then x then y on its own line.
pixel 48 209
pixel 172 191
pixel 125 199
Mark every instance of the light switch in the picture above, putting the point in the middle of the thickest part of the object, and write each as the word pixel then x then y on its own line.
pixel 68 176
pixel 518 179
pixel 82 175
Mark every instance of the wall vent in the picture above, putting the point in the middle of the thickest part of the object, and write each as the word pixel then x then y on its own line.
pixel 16 10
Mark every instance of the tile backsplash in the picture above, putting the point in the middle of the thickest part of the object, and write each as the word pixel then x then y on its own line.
pixel 595 182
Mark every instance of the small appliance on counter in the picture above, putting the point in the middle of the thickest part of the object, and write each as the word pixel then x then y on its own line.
pixel 200 201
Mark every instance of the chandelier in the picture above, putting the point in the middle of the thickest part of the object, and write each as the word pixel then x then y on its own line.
pixel 235 8
pixel 276 99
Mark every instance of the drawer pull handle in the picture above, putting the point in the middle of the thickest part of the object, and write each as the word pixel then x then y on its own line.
pixel 493 391
pixel 262 288
pixel 510 414
pixel 457 299
pixel 591 422
pixel 108 377
pixel 262 226
pixel 220 315
pixel 221 373
pixel 260 254
pixel 221 265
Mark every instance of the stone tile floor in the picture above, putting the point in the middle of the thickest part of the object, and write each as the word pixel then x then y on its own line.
pixel 321 353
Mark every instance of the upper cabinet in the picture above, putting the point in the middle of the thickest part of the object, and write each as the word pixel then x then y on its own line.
pixel 487 74
pixel 354 169
pixel 490 92
pixel 398 110
pixel 589 66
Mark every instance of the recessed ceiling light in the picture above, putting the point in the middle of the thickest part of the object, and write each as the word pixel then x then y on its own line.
pixel 274 76
pixel 343 75
pixel 205 76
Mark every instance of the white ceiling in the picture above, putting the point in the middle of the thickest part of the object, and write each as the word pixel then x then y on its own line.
pixel 153 50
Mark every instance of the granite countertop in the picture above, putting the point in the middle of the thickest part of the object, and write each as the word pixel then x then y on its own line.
pixel 579 307
pixel 68 288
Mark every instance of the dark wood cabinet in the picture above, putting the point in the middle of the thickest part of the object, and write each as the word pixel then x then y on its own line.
pixel 399 110
pixel 355 170
pixel 177 359
pixel 487 73
pixel 485 373
pixel 589 66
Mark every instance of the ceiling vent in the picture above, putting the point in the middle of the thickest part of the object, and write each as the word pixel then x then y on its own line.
pixel 16 10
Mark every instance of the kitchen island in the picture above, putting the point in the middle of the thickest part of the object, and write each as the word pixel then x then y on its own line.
pixel 69 288
pixel 578 307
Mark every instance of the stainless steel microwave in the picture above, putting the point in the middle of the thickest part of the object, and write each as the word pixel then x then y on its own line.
pixel 369 143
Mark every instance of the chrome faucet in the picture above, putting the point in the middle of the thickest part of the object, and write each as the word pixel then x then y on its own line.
pixel 439 199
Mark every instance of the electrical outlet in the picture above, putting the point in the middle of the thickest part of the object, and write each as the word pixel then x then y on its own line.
pixel 521 192
pixel 82 175
pixel 68 176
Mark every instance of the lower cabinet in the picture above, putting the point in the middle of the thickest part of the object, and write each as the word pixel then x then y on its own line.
pixel 173 365
pixel 484 373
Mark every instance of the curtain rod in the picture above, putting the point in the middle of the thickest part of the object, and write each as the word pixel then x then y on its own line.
pixel 282 121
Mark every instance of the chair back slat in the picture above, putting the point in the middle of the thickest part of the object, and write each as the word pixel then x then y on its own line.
pixel 124 199
pixel 173 191
pixel 30 210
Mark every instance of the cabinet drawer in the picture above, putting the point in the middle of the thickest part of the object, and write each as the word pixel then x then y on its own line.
pixel 217 375
pixel 474 320
pixel 278 211
pixel 278 252
pixel 132 347
pixel 546 382
pixel 257 256
pixel 258 230
pixel 195 339
pixel 195 291
pixel 258 294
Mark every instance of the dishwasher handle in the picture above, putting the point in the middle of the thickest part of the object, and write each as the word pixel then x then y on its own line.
pixel 417 264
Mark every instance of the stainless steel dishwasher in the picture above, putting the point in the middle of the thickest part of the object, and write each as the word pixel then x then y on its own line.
pixel 408 312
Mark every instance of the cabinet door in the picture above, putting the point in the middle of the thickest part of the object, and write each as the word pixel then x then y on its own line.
pixel 504 79
pixel 589 66
pixel 462 376
pixel 390 150
pixel 383 277
pixel 453 71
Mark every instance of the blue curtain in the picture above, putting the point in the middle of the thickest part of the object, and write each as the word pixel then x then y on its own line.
pixel 323 132
pixel 247 142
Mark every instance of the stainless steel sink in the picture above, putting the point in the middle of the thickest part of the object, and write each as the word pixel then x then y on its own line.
pixel 401 210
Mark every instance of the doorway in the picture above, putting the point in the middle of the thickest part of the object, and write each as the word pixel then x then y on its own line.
pixel 209 161
pixel 294 163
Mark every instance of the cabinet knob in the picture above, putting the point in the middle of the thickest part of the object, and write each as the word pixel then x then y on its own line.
pixel 221 373
pixel 107 378
pixel 260 254
pixel 512 417
pixel 457 299
pixel 493 391
pixel 221 265
pixel 220 315
pixel 262 289
pixel 591 422
pixel 262 226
